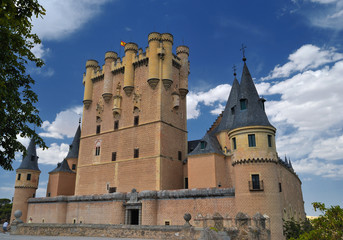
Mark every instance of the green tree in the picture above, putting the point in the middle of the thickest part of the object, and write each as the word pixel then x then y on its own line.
pixel 293 229
pixel 18 115
pixel 5 208
pixel 328 226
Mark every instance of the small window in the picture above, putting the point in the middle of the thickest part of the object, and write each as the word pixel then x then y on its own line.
pixel 252 141
pixel 243 104
pixel 33 158
pixel 34 195
pixel 255 181
pixel 280 187
pixel 73 167
pixel 136 153
pixel 97 151
pixel 179 155
pixel 74 221
pixel 202 145
pixel 136 120
pixel 112 190
pixel 114 156
pixel 116 125
pixel 269 140
pixel 186 183
pixel 234 144
pixel 43 220
pixel 98 129
pixel 19 176
pixel 167 223
pixel 28 177
pixel 233 110
pixel 49 194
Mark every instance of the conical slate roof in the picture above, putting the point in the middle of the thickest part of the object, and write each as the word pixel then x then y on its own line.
pixel 228 118
pixel 62 167
pixel 208 144
pixel 30 160
pixel 254 114
pixel 74 147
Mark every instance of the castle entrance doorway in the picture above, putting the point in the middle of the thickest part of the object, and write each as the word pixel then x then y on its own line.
pixel 134 216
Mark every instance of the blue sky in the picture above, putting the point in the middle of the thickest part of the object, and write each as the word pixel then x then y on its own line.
pixel 294 51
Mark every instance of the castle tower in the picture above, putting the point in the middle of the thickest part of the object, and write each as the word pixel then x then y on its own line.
pixel 62 178
pixel 26 183
pixel 138 139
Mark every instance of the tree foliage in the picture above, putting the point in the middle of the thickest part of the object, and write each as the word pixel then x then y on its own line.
pixel 328 226
pixel 5 208
pixel 293 229
pixel 18 115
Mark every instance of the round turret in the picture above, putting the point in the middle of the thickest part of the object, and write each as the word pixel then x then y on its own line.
pixel 154 36
pixel 111 55
pixel 92 63
pixel 131 47
pixel 182 50
pixel 167 37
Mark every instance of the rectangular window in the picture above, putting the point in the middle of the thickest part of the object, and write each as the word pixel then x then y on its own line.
pixel 112 189
pixel 19 175
pixel 97 151
pixel 202 144
pixel 34 195
pixel 49 194
pixel 252 142
pixel 179 155
pixel 243 104
pixel 116 125
pixel 255 181
pixel 73 167
pixel 136 120
pixel 114 156
pixel 234 145
pixel 136 153
pixel 186 183
pixel 97 129
pixel 28 177
pixel 167 223
pixel 280 187
pixel 269 140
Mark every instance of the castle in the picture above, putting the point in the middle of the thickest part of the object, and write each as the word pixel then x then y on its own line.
pixel 130 162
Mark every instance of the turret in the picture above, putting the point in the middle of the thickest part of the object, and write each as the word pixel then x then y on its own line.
pixel 167 42
pixel 73 153
pixel 26 183
pixel 154 49
pixel 110 58
pixel 91 66
pixel 183 53
pixel 130 53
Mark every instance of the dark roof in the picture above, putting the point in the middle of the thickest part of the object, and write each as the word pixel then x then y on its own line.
pixel 228 118
pixel 62 167
pixel 211 145
pixel 74 147
pixel 30 160
pixel 254 114
pixel 192 145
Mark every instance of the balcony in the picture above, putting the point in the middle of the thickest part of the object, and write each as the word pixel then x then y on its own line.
pixel 256 186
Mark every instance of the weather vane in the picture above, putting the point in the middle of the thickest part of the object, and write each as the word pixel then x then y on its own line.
pixel 243 51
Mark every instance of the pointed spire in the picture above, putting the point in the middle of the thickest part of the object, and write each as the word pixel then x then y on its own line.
pixel 290 163
pixel 208 144
pixel 286 161
pixel 243 51
pixel 249 112
pixel 30 160
pixel 231 107
pixel 74 147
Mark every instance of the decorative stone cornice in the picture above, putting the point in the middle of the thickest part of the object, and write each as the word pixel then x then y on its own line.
pixel 154 36
pixel 167 83
pixel 118 70
pixel 131 47
pixel 153 82
pixel 141 62
pixel 183 92
pixel 254 160
pixel 111 55
pixel 98 78
pixel 167 37
pixel 87 103
pixel 182 49
pixel 92 63
pixel 176 64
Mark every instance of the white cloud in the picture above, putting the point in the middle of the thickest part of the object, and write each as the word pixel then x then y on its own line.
pixel 64 17
pixel 307 115
pixel 326 14
pixel 213 97
pixel 128 29
pixel 306 57
pixel 39 51
pixel 54 154
pixel 64 125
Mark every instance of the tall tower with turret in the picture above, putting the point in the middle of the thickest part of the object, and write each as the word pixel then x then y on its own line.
pixel 26 183
pixel 134 131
